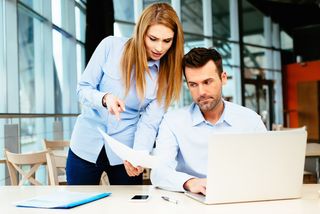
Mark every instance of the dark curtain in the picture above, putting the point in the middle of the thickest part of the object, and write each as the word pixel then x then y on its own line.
pixel 100 19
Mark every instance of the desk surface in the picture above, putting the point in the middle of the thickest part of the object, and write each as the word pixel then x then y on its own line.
pixel 313 150
pixel 118 202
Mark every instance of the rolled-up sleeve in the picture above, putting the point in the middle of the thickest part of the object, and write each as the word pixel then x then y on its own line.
pixel 88 85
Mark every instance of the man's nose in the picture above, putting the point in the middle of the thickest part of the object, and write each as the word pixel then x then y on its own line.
pixel 201 89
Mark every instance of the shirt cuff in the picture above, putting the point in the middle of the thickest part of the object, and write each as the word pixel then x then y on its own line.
pixel 97 99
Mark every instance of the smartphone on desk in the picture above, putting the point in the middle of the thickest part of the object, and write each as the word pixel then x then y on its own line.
pixel 140 198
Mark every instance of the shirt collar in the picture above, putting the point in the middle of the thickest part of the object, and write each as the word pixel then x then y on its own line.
pixel 227 113
pixel 155 63
pixel 197 116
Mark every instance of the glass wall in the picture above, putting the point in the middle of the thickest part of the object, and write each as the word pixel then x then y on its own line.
pixel 192 16
pixel 220 32
pixel 252 24
pixel 221 19
pixel 41 59
pixel 286 41
pixel 80 22
pixel 262 65
pixel 50 55
pixel 3 91
pixel 124 13
pixel 30 60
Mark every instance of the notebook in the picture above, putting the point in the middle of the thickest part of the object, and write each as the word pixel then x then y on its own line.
pixel 254 167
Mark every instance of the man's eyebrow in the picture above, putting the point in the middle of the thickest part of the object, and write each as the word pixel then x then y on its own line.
pixel 210 78
pixel 191 82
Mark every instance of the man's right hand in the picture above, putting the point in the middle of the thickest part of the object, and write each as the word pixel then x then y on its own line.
pixel 196 185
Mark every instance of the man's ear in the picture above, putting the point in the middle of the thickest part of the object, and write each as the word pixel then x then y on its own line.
pixel 224 77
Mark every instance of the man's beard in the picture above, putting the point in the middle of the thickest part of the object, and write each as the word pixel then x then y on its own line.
pixel 208 105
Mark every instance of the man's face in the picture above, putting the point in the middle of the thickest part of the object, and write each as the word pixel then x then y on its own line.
pixel 205 85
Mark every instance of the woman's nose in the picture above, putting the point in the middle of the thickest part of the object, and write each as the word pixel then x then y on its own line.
pixel 158 47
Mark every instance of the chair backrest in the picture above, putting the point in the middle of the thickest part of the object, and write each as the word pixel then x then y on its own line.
pixel 58 158
pixel 53 172
pixel 15 162
pixel 55 144
pixel 58 155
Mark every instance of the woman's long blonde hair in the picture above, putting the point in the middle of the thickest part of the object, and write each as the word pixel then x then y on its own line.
pixel 134 59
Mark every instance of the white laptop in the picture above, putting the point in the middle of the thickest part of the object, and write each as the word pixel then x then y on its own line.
pixel 254 167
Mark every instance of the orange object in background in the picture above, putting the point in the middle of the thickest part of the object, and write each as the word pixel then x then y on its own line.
pixel 294 73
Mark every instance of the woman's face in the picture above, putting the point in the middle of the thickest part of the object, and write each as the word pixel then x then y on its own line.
pixel 158 40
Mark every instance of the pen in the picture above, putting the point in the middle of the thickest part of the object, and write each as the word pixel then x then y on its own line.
pixel 169 199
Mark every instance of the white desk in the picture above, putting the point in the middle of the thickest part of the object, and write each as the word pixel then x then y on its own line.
pixel 118 202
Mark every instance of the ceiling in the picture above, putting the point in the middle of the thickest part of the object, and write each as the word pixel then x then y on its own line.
pixel 292 15
pixel 298 18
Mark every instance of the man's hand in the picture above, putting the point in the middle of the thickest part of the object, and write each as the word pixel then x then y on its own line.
pixel 196 185
pixel 114 104
pixel 131 170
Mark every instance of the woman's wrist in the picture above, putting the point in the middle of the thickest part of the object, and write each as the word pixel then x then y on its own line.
pixel 104 100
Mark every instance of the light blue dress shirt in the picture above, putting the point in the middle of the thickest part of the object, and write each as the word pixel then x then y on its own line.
pixel 183 140
pixel 139 122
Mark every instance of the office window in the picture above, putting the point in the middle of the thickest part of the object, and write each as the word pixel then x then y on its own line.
pixel 63 15
pixel 221 18
pixel 254 56
pixel 56 12
pixel 252 24
pixel 146 3
pixel 229 54
pixel 38 61
pixel 123 29
pixel 124 18
pixel 58 70
pixel 35 5
pixel 286 41
pixel 80 60
pixel 32 87
pixel 81 1
pixel 80 16
pixel 192 41
pixel 80 23
pixel 65 72
pixel 124 10
pixel 3 91
pixel 30 37
pixel 192 16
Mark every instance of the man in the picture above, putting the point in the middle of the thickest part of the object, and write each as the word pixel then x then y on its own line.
pixel 183 134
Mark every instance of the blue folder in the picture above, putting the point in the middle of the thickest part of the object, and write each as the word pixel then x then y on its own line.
pixel 61 200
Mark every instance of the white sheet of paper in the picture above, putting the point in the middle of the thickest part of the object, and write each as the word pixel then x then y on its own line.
pixel 136 158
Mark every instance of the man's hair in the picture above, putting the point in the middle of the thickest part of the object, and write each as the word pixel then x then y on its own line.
pixel 198 57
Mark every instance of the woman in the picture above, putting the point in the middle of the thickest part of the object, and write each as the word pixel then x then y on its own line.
pixel 125 90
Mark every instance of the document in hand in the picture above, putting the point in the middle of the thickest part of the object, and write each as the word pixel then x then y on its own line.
pixel 136 158
pixel 61 200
